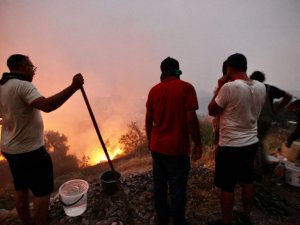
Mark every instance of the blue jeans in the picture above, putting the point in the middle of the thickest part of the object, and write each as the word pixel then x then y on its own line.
pixel 170 173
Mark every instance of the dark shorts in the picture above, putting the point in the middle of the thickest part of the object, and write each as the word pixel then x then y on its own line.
pixel 234 164
pixel 33 171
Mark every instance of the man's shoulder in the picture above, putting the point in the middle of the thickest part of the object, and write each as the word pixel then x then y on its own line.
pixel 272 87
pixel 260 84
pixel 18 85
pixel 24 88
pixel 274 91
pixel 173 82
pixel 17 82
pixel 186 83
pixel 242 84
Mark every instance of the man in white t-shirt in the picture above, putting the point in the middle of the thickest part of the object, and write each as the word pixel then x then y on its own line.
pixel 238 101
pixel 22 136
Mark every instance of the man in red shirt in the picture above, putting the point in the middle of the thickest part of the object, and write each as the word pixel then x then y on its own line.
pixel 170 119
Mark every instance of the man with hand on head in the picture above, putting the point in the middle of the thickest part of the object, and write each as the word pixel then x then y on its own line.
pixel 22 137
pixel 238 101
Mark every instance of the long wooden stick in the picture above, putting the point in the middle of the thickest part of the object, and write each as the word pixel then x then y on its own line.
pixel 97 130
pixel 121 191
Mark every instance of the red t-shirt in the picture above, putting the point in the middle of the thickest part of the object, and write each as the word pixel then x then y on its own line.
pixel 169 102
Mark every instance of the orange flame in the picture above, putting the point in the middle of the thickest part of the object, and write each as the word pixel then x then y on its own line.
pixel 1 157
pixel 97 155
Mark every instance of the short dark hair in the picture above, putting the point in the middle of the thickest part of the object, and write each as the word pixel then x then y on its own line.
pixel 258 75
pixel 15 61
pixel 237 61
pixel 169 64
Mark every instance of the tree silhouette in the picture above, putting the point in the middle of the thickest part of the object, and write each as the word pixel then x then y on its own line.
pixel 56 144
pixel 133 139
pixel 84 161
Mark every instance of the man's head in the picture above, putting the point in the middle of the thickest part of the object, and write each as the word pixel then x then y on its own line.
pixel 21 64
pixel 170 67
pixel 258 75
pixel 236 63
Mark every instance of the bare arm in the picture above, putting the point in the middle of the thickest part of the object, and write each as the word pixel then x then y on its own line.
pixel 194 130
pixel 286 99
pixel 51 103
pixel 213 108
pixel 149 125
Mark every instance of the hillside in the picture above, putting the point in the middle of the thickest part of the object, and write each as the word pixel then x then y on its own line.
pixel 202 204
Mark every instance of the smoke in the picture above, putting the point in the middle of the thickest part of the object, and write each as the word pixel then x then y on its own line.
pixel 112 54
pixel 118 47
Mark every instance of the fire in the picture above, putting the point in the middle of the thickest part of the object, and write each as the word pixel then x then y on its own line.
pixel 97 155
pixel 1 157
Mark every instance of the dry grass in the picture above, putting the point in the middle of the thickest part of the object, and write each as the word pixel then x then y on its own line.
pixel 135 165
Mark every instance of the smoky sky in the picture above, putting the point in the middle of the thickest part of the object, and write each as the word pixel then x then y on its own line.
pixel 118 47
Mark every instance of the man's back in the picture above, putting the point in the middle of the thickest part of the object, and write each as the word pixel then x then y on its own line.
pixel 169 102
pixel 242 102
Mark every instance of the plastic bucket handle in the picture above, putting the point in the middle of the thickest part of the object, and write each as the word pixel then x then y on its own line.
pixel 70 204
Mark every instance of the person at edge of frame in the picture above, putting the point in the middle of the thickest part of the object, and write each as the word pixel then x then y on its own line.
pixel 22 136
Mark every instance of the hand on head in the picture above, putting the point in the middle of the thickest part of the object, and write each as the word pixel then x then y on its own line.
pixel 223 80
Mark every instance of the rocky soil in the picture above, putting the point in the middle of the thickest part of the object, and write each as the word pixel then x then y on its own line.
pixel 135 203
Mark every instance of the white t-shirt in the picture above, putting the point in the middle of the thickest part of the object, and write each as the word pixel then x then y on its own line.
pixel 242 102
pixel 22 125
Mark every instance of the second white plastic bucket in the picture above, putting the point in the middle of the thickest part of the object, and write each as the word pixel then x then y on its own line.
pixel 73 196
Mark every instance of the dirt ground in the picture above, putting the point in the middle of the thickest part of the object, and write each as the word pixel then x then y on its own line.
pixel 203 200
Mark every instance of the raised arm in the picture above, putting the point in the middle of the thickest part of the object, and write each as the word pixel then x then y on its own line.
pixel 213 108
pixel 285 100
pixel 52 103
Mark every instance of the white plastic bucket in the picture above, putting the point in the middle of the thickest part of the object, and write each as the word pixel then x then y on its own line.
pixel 73 196
pixel 292 174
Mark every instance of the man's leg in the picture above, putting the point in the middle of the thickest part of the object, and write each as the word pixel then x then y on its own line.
pixel 21 199
pixel 41 184
pixel 225 179
pixel 178 170
pixel 227 201
pixel 247 198
pixel 160 189
pixel 41 207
